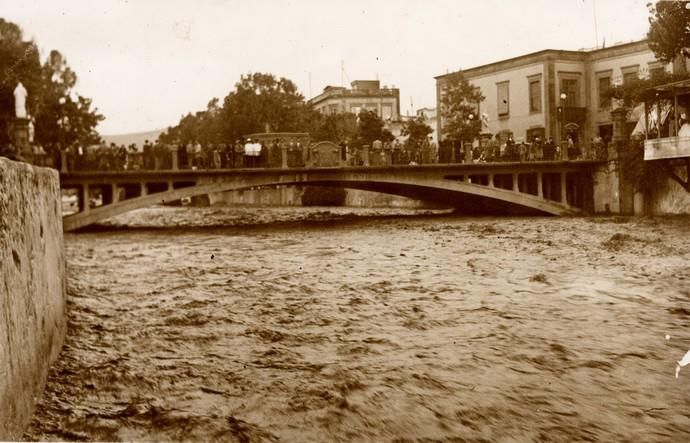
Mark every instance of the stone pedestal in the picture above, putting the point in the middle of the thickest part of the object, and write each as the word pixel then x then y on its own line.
pixel 19 134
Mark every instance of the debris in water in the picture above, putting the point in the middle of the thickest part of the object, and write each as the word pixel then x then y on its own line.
pixel 684 361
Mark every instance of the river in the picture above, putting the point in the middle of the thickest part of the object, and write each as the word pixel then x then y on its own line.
pixel 300 325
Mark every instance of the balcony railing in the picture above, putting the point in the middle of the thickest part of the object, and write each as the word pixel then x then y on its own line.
pixel 667 147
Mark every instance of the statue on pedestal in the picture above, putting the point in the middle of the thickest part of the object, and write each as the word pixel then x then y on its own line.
pixel 20 101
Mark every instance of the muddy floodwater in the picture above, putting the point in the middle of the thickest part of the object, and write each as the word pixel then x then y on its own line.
pixel 293 325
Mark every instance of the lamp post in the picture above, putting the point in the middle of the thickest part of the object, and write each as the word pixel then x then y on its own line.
pixel 468 152
pixel 561 121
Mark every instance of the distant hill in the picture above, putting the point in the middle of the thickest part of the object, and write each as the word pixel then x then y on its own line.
pixel 136 137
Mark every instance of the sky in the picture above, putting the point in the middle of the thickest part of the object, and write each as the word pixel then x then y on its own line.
pixel 145 63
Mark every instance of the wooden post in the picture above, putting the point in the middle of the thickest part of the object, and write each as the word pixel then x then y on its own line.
pixel 540 185
pixel 491 180
pixel 144 190
pixel 115 193
pixel 564 194
pixel 516 187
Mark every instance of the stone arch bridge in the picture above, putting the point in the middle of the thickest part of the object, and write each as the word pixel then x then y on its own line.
pixel 556 188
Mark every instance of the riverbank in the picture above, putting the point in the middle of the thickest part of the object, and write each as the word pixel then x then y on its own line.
pixel 32 293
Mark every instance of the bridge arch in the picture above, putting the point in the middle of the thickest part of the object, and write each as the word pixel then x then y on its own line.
pixel 423 186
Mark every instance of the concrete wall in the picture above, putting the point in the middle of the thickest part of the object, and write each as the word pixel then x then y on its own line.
pixel 607 189
pixel 669 198
pixel 32 289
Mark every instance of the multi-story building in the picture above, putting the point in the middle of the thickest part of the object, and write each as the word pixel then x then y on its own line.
pixel 364 95
pixel 555 93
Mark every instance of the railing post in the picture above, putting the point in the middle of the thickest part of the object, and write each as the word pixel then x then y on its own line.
pixel 540 185
pixel 284 156
pixel 63 161
pixel 175 158
pixel 365 155
pixel 564 194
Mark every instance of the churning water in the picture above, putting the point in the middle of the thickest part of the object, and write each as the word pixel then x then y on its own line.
pixel 301 325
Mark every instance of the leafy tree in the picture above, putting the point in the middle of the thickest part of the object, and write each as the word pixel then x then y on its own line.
pixel 19 61
pixel 459 104
pixel 60 114
pixel 260 102
pixel 669 29
pixel 370 127
pixel 417 131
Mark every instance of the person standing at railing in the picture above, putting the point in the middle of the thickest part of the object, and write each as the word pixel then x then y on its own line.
pixel 433 150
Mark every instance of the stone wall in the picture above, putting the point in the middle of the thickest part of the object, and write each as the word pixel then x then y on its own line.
pixel 32 289
pixel 668 198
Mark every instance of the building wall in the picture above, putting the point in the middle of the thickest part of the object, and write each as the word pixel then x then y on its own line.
pixel 554 65
pixel 32 292
pixel 615 67
pixel 519 119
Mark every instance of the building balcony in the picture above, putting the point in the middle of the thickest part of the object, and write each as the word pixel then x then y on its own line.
pixel 667 147
pixel 572 114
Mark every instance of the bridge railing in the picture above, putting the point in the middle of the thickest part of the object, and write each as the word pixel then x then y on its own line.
pixel 174 159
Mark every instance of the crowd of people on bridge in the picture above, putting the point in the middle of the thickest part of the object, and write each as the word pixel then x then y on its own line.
pixel 268 152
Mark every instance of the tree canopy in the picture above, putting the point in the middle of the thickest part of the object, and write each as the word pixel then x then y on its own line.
pixel 459 105
pixel 669 29
pixel 262 102
pixel 60 114
pixel 417 131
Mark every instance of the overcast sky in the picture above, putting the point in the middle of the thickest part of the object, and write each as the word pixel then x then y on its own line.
pixel 145 63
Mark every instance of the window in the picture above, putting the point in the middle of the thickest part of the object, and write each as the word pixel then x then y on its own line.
pixel 387 112
pixel 332 109
pixel 655 70
pixel 569 87
pixel 503 97
pixel 535 95
pixel 604 98
pixel 630 73
pixel 628 77
pixel 355 108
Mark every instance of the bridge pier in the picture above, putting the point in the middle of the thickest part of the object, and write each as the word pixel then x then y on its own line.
pixel 143 189
pixel 564 193
pixel 516 186
pixel 491 181
pixel 540 185
pixel 84 198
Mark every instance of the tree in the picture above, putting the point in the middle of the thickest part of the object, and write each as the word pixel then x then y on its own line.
pixel 334 127
pixel 459 105
pixel 60 114
pixel 669 30
pixel 260 102
pixel 417 131
pixel 370 127
pixel 19 61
